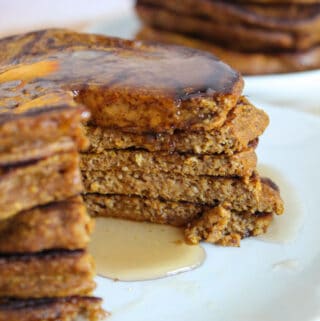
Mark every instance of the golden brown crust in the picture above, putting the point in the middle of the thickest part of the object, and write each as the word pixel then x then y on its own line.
pixel 61 225
pixel 242 126
pixel 240 164
pixel 52 179
pixel 184 89
pixel 47 274
pixel 52 309
pixel 260 63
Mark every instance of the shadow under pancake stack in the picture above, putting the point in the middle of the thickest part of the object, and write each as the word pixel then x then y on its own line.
pixel 172 141
pixel 253 36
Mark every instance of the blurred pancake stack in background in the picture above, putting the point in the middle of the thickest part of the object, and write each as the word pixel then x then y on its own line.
pixel 253 36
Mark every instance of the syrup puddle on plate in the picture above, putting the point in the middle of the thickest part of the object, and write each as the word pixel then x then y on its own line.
pixel 284 228
pixel 134 251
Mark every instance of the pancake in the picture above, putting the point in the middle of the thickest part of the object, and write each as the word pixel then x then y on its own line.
pixel 174 187
pixel 294 17
pixel 195 92
pixel 240 164
pixel 168 212
pixel 31 151
pixel 37 183
pixel 246 63
pixel 241 194
pixel 230 34
pixel 60 225
pixel 26 123
pixel 278 1
pixel 46 274
pixel 51 309
pixel 240 131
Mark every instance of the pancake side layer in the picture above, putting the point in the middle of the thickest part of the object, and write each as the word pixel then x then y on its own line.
pixel 243 125
pixel 239 164
pixel 61 225
pixel 46 274
pixel 26 186
pixel 51 309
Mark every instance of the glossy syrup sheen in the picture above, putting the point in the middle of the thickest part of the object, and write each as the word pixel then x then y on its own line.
pixel 130 251
pixel 84 59
pixel 99 71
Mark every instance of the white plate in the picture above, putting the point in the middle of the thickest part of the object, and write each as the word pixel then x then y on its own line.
pixel 295 90
pixel 248 283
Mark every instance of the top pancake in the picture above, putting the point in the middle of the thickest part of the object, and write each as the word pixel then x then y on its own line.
pixel 129 85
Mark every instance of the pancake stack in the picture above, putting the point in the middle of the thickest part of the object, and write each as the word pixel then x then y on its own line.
pixel 45 271
pixel 253 36
pixel 172 141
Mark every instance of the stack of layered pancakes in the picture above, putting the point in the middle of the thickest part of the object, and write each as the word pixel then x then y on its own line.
pixel 172 141
pixel 45 271
pixel 253 36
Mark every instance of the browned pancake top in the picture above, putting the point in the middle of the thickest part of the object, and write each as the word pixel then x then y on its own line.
pixel 49 69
